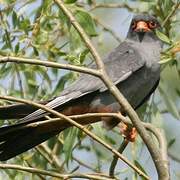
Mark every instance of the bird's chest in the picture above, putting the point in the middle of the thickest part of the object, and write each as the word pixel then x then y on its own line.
pixel 150 55
pixel 137 87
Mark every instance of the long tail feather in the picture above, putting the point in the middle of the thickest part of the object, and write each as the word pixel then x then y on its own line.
pixel 19 138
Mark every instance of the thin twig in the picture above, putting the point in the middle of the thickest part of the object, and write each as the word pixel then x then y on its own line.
pixel 54 174
pixel 44 155
pixel 39 175
pixel 113 5
pixel 115 158
pixel 84 165
pixel 54 159
pixel 19 81
pixel 49 64
pixel 106 28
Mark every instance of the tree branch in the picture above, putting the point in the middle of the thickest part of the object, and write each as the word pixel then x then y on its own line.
pixel 112 5
pixel 50 64
pixel 54 174
pixel 115 158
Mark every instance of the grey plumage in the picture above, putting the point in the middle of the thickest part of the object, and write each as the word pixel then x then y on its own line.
pixel 133 66
pixel 123 63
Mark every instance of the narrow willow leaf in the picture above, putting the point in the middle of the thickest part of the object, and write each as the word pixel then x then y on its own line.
pixel 140 167
pixel 171 142
pixel 16 49
pixel 82 56
pixel 170 104
pixel 5 70
pixel 86 22
pixel 14 19
pixel 70 1
pixel 61 83
pixel 69 143
pixel 163 37
pixel 8 39
pixel 163 61
pixel 99 131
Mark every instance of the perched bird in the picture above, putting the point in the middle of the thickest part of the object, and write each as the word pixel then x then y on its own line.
pixel 133 67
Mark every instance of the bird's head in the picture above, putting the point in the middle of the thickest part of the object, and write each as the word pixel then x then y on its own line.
pixel 142 28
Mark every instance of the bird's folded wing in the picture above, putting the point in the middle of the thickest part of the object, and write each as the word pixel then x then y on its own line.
pixel 120 64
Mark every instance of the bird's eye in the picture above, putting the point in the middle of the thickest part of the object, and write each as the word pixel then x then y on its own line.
pixel 152 25
pixel 133 25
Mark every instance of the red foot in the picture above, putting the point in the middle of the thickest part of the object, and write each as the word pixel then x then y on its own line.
pixel 128 132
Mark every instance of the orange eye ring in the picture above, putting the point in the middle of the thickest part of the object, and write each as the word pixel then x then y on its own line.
pixel 152 25
pixel 133 25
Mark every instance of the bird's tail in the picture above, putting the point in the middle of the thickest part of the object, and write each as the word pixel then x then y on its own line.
pixel 18 138
pixel 17 111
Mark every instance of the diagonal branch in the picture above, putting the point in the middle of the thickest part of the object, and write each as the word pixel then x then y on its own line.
pixel 115 158
pixel 55 174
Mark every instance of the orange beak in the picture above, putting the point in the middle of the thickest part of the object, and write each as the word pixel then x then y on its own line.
pixel 142 26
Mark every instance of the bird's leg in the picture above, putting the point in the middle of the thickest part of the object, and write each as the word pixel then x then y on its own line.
pixel 128 131
pixel 108 122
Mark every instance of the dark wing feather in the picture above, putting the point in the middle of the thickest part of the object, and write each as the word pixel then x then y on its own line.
pixel 20 137
pixel 120 64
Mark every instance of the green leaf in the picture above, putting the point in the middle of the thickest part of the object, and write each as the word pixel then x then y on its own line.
pixel 163 37
pixel 42 38
pixel 46 5
pixel 25 25
pixel 86 22
pixel 16 49
pixel 35 50
pixel 44 73
pixel 76 44
pixel 99 131
pixel 8 39
pixel 72 59
pixel 32 82
pixel 70 1
pixel 140 167
pixel 82 56
pixel 14 19
pixel 170 104
pixel 171 142
pixel 69 143
pixel 3 53
pixel 61 83
pixel 166 60
pixel 5 70
pixel 110 140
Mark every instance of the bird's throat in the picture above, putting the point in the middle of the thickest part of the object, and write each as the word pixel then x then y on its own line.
pixel 141 36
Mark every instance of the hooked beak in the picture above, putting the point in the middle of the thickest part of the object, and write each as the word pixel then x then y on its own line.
pixel 142 27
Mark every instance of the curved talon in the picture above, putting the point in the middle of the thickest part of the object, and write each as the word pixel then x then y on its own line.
pixel 128 132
